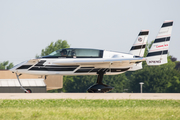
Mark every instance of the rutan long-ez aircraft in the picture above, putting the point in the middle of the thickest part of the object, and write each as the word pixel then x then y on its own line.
pixel 80 61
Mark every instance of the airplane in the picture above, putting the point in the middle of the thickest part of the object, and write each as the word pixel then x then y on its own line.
pixel 85 61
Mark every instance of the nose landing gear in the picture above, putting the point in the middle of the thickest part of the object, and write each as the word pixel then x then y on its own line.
pixel 26 91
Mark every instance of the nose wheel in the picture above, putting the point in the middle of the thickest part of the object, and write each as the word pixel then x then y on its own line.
pixel 99 87
pixel 26 91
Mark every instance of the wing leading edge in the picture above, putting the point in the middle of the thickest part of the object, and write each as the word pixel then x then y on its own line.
pixel 99 62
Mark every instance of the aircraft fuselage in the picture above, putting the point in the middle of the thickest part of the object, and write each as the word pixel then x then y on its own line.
pixel 112 62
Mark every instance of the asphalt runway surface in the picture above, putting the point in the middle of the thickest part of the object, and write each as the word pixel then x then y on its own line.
pixel 108 96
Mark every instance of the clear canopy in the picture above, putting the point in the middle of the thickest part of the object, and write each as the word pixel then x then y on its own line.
pixel 77 53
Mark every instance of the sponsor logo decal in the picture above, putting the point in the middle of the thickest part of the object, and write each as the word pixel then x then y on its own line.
pixel 159 46
pixel 155 61
pixel 140 39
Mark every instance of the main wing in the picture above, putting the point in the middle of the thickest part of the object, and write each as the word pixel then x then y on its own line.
pixel 101 62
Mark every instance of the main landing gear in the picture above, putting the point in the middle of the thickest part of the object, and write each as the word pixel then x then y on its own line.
pixel 26 91
pixel 99 87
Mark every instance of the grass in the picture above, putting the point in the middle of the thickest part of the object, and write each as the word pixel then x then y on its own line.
pixel 65 109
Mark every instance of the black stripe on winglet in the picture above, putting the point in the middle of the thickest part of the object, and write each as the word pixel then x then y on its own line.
pixel 162 39
pixel 143 33
pixel 138 47
pixel 167 24
pixel 157 53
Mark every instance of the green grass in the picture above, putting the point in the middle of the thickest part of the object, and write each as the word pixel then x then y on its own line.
pixel 65 109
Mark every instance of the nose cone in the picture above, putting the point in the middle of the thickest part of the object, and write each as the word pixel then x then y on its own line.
pixel 14 69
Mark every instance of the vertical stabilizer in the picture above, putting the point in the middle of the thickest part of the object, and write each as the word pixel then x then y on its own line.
pixel 139 45
pixel 157 54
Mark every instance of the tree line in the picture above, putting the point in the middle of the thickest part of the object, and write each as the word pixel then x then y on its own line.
pixel 157 79
pixel 6 65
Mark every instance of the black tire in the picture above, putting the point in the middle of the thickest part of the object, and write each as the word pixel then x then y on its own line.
pixel 29 91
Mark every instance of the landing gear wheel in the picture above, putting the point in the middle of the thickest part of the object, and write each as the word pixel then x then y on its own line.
pixel 29 91
pixel 99 87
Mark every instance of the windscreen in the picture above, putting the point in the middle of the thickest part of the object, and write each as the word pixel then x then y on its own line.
pixel 76 53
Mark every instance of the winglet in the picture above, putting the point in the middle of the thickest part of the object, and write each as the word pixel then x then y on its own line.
pixel 139 45
pixel 157 54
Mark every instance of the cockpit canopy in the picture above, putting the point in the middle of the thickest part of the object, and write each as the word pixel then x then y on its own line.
pixel 76 53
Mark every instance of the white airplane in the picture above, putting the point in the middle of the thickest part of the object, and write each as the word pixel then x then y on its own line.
pixel 80 61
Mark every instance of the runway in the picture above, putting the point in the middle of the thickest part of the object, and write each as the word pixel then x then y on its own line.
pixel 108 96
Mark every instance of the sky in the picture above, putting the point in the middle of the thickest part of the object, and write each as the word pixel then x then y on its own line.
pixel 28 26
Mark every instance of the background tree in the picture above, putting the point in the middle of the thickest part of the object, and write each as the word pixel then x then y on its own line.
pixel 119 82
pixel 6 65
pixel 173 59
pixel 78 83
pixel 177 66
pixel 157 79
pixel 82 83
